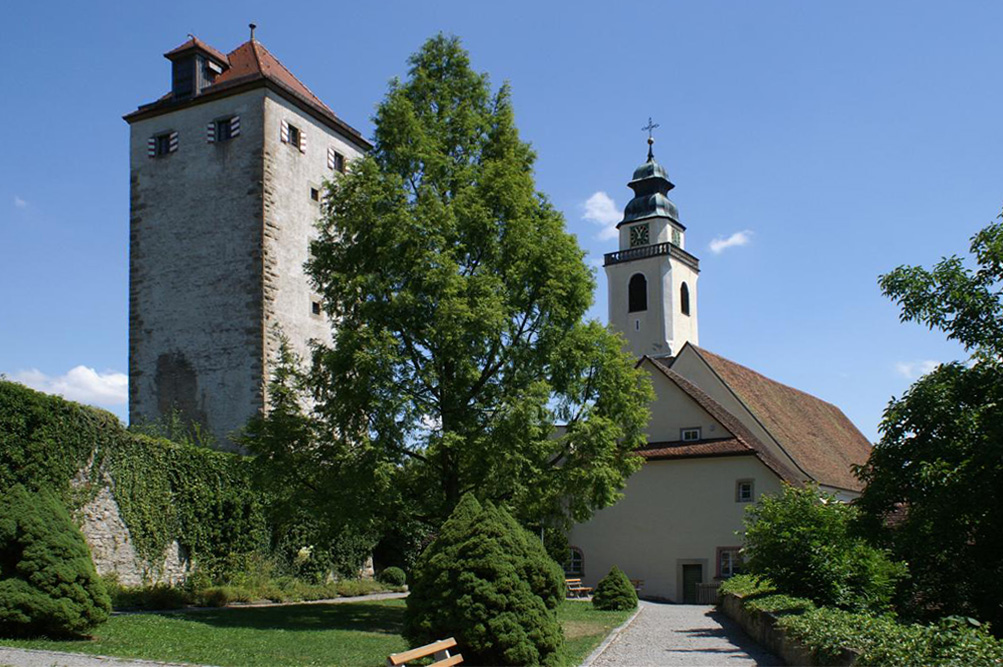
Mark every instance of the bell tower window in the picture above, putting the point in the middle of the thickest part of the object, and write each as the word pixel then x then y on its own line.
pixel 684 299
pixel 637 293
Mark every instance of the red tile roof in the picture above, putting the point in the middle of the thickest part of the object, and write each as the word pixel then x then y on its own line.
pixel 741 434
pixel 195 43
pixel 248 63
pixel 684 450
pixel 816 434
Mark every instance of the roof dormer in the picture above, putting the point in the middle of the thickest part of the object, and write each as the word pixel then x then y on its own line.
pixel 195 66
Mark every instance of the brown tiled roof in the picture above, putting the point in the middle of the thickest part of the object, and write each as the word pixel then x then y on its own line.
pixel 249 63
pixel 196 43
pixel 816 434
pixel 685 450
pixel 741 434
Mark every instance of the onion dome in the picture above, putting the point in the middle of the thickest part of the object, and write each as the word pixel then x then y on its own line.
pixel 650 184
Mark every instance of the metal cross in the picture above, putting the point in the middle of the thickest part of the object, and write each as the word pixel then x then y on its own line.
pixel 649 127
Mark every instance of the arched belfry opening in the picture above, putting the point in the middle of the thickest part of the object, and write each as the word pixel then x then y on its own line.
pixel 684 299
pixel 637 293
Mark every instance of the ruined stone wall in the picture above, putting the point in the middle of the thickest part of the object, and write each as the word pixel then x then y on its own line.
pixel 113 552
pixel 195 311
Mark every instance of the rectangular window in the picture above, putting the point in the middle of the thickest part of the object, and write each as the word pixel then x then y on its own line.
pixel 315 194
pixel 690 434
pixel 294 135
pixel 315 307
pixel 744 491
pixel 729 562
pixel 223 132
pixel 162 144
pixel 339 162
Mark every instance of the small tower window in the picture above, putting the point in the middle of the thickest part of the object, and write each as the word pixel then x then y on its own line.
pixel 684 299
pixel 315 307
pixel 315 194
pixel 637 293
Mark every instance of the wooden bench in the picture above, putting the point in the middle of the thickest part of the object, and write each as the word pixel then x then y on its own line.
pixel 440 649
pixel 575 588
pixel 638 584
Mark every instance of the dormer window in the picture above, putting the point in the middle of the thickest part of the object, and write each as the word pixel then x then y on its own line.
pixel 183 77
pixel 689 434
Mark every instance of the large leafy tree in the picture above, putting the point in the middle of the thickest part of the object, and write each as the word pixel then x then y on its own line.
pixel 935 481
pixel 458 303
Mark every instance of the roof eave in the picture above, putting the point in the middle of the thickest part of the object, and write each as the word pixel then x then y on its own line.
pixel 244 84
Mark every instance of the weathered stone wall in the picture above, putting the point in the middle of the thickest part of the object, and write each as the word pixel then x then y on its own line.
pixel 195 312
pixel 290 218
pixel 112 550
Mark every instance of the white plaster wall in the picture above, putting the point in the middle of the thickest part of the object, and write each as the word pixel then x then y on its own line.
pixel 290 222
pixel 666 422
pixel 195 251
pixel 682 328
pixel 672 511
pixel 645 331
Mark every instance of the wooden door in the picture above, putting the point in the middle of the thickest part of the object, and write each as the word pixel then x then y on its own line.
pixel 692 575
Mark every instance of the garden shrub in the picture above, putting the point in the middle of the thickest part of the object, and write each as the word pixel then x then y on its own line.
pixel 877 639
pixel 470 584
pixel 802 541
pixel 392 576
pixel 615 592
pixel 48 585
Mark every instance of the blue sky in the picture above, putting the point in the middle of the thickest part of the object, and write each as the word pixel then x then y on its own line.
pixel 839 140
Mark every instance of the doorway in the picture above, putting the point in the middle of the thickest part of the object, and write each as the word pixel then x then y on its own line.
pixel 692 575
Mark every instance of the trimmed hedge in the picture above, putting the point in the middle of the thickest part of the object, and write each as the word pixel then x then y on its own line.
pixel 878 640
pixel 615 592
pixel 48 585
pixel 392 576
pixel 482 582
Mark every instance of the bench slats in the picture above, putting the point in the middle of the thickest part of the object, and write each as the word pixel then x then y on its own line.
pixel 423 651
pixel 449 662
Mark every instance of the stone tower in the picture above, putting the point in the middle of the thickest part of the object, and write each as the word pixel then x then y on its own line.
pixel 226 174
pixel 652 280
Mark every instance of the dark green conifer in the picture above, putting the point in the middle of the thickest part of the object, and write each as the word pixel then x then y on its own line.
pixel 615 592
pixel 48 585
pixel 471 584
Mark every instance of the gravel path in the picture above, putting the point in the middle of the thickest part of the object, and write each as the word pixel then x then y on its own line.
pixel 677 634
pixel 31 658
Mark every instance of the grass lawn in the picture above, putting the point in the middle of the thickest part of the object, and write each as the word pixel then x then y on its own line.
pixel 359 633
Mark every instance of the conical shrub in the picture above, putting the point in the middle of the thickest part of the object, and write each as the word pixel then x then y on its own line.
pixel 48 585
pixel 615 592
pixel 471 584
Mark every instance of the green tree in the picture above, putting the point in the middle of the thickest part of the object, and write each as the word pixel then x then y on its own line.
pixel 488 583
pixel 803 541
pixel 457 300
pixel 48 585
pixel 934 483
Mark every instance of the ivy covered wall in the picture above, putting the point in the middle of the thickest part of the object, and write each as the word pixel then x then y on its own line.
pixel 202 503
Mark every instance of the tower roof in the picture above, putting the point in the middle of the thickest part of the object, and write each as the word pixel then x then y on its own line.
pixel 248 66
pixel 651 186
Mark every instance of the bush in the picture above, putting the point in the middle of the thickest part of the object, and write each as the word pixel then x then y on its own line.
pixel 48 585
pixel 158 596
pixel 802 542
pixel 615 592
pixel 392 576
pixel 477 582
pixel 879 640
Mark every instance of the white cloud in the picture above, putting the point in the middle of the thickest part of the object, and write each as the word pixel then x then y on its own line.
pixel 20 203
pixel 600 209
pixel 914 369
pixel 81 384
pixel 718 245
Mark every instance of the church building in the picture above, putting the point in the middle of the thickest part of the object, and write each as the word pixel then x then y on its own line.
pixel 721 435
pixel 226 174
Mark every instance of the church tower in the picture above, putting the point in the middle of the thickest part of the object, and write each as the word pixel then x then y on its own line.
pixel 226 181
pixel 651 279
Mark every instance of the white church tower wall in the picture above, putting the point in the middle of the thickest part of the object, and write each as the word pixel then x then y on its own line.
pixel 651 279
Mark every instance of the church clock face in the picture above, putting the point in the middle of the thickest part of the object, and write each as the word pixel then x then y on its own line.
pixel 638 235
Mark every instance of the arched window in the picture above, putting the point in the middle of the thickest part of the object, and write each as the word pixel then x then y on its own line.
pixel 576 563
pixel 684 299
pixel 637 293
